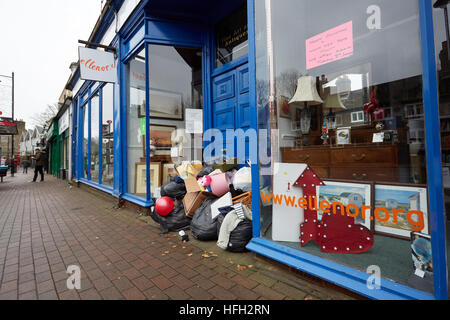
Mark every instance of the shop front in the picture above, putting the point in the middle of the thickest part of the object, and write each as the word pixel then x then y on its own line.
pixel 335 106
pixel 63 142
pixel 52 151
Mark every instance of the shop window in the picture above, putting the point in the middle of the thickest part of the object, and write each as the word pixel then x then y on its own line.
pixel 136 142
pixel 176 111
pixel 353 84
pixel 95 160
pixel 108 135
pixel 86 142
pixel 231 36
pixel 443 74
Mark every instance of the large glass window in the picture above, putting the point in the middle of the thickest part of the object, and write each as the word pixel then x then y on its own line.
pixel 108 135
pixel 95 160
pixel 176 110
pixel 136 142
pixel 86 141
pixel 345 173
pixel 442 35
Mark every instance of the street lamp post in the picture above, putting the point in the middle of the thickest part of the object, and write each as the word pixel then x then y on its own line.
pixel 12 115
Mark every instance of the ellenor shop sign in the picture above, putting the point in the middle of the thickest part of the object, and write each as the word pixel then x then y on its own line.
pixel 97 65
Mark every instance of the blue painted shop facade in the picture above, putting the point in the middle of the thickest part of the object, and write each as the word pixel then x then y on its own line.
pixel 218 57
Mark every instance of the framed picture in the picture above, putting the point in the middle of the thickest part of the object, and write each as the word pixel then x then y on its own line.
pixel 343 136
pixel 169 172
pixel 397 201
pixel 155 176
pixel 140 187
pixel 358 194
pixel 421 252
pixel 161 136
pixel 141 110
pixel 284 109
pixel 166 105
pixel 140 180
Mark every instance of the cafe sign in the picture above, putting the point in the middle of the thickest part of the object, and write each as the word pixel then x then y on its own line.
pixel 97 65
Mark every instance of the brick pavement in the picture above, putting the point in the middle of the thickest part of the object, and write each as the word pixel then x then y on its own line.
pixel 45 227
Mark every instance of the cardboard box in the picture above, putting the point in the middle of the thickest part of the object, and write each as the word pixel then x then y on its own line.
pixel 194 196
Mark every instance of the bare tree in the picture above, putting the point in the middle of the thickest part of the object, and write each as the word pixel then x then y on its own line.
pixel 287 82
pixel 41 119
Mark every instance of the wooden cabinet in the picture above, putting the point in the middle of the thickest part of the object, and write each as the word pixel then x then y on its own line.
pixel 363 163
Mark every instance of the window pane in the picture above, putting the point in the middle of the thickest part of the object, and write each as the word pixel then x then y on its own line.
pixel 443 74
pixel 108 135
pixel 86 141
pixel 231 37
pixel 137 170
pixel 95 160
pixel 351 84
pixel 175 91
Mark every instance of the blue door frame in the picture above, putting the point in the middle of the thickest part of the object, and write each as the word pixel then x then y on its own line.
pixel 344 276
pixel 142 30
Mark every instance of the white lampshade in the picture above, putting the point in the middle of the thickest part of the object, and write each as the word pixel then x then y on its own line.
pixel 306 93
pixel 333 102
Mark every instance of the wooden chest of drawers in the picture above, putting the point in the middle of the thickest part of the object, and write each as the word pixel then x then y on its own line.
pixel 364 163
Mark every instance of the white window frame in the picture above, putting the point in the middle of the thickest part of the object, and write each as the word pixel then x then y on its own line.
pixel 359 117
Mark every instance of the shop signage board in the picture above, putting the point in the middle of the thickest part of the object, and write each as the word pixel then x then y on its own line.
pixel 8 127
pixel 97 65
pixel 63 122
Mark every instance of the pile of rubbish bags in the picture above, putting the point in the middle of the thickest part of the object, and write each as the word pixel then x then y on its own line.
pixel 213 201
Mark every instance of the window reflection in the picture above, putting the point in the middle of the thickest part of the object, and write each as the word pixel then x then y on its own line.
pixel 136 142
pixel 108 135
pixel 95 160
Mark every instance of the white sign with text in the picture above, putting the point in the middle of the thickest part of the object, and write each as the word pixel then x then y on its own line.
pixel 97 65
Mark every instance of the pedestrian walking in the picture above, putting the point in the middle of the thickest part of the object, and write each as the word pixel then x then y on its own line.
pixel 25 164
pixel 39 168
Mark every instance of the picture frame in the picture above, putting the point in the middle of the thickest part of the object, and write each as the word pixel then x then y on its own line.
pixel 155 176
pixel 421 252
pixel 140 185
pixel 284 109
pixel 140 179
pixel 167 105
pixel 343 136
pixel 348 192
pixel 162 138
pixel 141 110
pixel 168 172
pixel 401 197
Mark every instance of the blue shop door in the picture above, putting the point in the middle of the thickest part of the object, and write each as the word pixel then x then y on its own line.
pixel 231 105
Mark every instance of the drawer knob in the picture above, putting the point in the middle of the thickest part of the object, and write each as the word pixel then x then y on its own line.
pixel 361 177
pixel 356 158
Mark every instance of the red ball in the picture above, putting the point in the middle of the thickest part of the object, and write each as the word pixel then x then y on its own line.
pixel 164 206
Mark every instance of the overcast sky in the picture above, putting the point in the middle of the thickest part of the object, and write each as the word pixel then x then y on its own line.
pixel 38 41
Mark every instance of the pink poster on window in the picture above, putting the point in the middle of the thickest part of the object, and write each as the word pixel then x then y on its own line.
pixel 332 45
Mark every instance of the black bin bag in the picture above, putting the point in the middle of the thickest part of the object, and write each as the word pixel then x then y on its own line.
pixel 174 189
pixel 240 236
pixel 203 228
pixel 174 221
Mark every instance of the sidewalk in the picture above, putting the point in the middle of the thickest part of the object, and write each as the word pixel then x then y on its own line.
pixel 45 227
